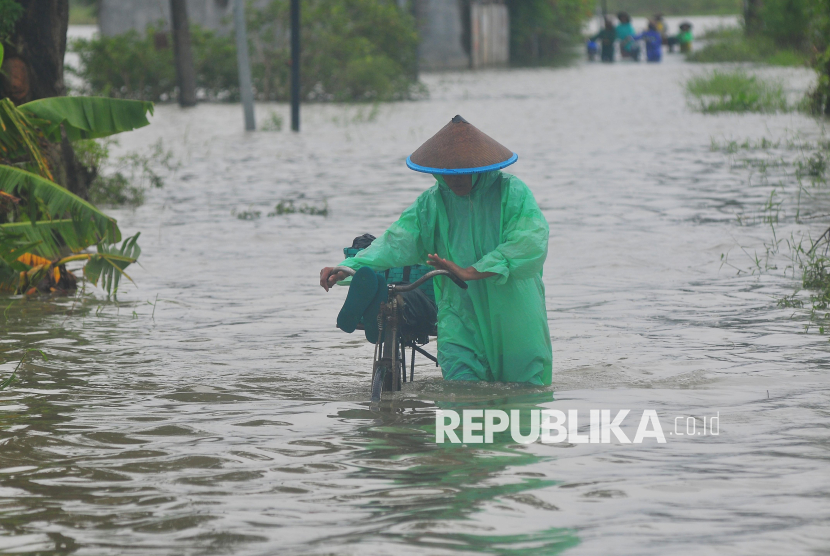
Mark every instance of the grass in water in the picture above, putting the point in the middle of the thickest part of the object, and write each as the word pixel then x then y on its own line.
pixel 735 91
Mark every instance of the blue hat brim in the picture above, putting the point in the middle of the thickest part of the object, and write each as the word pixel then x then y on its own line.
pixel 445 171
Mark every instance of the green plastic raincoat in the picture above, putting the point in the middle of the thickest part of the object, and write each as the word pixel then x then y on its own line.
pixel 496 330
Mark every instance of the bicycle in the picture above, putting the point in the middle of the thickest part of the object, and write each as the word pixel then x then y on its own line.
pixel 389 363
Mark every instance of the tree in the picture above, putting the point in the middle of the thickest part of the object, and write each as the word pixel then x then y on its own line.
pixel 753 17
pixel 34 50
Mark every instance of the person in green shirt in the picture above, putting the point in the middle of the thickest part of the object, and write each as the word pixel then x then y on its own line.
pixel 625 35
pixel 483 225
pixel 683 38
pixel 606 36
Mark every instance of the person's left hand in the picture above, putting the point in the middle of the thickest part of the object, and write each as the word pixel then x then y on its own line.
pixel 465 274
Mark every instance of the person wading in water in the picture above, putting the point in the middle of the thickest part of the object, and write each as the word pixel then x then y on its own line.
pixel 483 225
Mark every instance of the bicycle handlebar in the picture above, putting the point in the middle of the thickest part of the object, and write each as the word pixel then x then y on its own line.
pixel 409 287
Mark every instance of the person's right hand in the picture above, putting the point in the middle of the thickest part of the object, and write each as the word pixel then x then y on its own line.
pixel 328 277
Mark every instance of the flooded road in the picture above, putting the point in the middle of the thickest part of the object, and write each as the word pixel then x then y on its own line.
pixel 216 409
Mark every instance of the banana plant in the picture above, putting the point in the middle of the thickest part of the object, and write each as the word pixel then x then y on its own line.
pixel 107 266
pixel 40 218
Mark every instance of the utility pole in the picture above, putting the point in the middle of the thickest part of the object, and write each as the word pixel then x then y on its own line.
pixel 246 90
pixel 295 65
pixel 185 72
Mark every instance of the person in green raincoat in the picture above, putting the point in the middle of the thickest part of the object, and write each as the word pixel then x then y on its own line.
pixel 485 226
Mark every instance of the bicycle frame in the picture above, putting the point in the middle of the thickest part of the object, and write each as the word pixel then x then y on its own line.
pixel 387 357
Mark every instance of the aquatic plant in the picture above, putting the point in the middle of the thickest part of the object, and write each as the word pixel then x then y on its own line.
pixel 286 206
pixel 798 180
pixel 125 179
pixel 10 379
pixel 40 217
pixel 273 122
pixel 735 91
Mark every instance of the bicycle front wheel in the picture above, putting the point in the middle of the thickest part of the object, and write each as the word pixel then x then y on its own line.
pixel 377 383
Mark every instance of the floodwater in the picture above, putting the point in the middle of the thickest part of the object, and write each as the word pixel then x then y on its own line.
pixel 215 408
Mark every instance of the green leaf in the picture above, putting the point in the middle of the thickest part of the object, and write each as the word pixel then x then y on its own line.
pixel 89 225
pixel 89 117
pixel 109 263
pixel 50 235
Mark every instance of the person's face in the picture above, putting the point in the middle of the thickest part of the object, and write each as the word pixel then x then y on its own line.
pixel 460 184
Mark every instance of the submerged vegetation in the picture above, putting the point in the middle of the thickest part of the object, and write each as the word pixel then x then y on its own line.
pixel 795 173
pixel 125 179
pixel 353 50
pixel 780 32
pixel 735 91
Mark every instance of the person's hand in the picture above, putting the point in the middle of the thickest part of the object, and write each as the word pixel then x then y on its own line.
pixel 444 264
pixel 466 274
pixel 328 277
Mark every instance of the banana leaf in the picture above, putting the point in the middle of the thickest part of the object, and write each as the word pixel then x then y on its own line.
pixel 89 117
pixel 49 235
pixel 20 138
pixel 88 224
pixel 109 263
pixel 11 246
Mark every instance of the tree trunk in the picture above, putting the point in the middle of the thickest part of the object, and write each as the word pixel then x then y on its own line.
pixel 33 69
pixel 182 51
pixel 34 54
pixel 752 16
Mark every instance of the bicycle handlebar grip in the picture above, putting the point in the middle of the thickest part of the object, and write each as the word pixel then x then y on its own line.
pixel 458 281
pixel 347 270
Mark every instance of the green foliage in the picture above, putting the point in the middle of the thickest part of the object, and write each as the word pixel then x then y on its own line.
pixel 10 14
pixel 125 66
pixel 124 180
pixel 542 30
pixel 791 32
pixel 273 122
pixel 83 12
pixel 109 263
pixel 287 206
pixel 676 7
pixel 21 141
pixel 353 50
pixel 733 45
pixel 787 22
pixel 88 117
pixel 38 215
pixel 86 226
pixel 735 91
pixel 11 245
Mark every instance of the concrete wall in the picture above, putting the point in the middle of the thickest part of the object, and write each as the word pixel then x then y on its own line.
pixel 441 27
pixel 119 16
pixel 489 35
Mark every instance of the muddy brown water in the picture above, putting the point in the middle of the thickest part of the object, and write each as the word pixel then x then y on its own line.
pixel 215 408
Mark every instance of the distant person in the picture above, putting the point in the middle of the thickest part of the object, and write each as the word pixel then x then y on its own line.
pixel 661 26
pixel 683 38
pixel 606 37
pixel 625 34
pixel 593 49
pixel 654 42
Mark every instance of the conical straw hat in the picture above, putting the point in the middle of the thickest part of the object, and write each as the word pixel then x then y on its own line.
pixel 460 148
